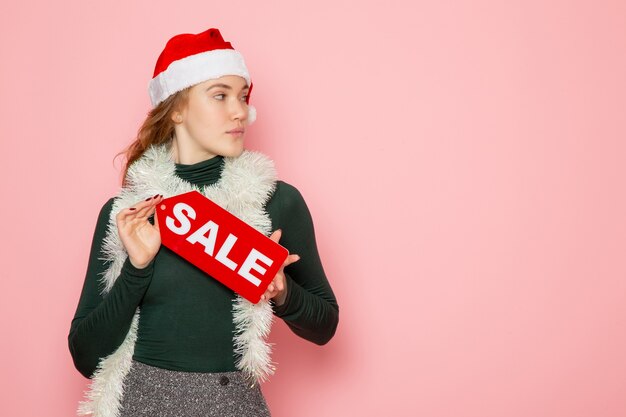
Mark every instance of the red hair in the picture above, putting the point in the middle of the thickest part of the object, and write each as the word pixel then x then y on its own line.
pixel 156 129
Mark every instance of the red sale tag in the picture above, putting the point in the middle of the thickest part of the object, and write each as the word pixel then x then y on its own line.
pixel 220 244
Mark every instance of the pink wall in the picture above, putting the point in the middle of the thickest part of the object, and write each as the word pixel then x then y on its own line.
pixel 463 162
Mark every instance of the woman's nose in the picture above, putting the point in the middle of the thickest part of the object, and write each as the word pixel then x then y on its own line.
pixel 238 109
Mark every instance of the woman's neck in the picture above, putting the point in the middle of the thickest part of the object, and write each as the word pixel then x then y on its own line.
pixel 188 154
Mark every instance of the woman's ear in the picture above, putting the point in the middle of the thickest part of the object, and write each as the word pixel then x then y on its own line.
pixel 177 117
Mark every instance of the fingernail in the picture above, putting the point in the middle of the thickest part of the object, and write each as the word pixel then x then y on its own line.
pixel 149 198
pixel 155 196
pixel 132 208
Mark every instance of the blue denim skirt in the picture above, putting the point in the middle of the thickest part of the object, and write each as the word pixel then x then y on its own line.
pixel 157 392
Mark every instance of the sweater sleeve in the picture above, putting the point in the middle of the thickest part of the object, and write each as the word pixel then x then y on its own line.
pixel 310 308
pixel 101 323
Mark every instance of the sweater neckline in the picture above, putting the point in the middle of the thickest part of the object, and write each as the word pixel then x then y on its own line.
pixel 201 173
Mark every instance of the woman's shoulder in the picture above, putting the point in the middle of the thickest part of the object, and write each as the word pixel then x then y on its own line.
pixel 105 211
pixel 102 223
pixel 108 205
pixel 287 204
pixel 287 194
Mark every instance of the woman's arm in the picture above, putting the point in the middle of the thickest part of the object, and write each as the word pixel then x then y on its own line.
pixel 310 308
pixel 100 323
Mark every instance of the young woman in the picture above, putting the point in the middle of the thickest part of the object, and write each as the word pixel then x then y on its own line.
pixel 157 335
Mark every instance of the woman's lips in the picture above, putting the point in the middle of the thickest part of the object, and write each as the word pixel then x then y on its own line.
pixel 236 132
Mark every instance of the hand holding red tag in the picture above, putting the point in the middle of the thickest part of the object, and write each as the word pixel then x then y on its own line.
pixel 140 239
pixel 278 288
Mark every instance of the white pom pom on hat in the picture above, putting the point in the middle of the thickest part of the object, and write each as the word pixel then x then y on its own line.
pixel 189 59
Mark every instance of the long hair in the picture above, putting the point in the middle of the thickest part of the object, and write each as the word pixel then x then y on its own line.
pixel 155 130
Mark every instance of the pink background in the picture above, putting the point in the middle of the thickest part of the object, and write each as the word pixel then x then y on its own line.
pixel 463 162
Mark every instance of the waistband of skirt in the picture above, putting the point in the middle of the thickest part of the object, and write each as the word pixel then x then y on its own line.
pixel 141 365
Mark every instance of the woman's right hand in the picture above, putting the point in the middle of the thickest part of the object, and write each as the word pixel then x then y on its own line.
pixel 141 239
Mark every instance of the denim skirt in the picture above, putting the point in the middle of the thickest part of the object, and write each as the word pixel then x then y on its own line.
pixel 157 392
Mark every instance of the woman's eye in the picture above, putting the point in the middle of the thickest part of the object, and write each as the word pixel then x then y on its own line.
pixel 220 97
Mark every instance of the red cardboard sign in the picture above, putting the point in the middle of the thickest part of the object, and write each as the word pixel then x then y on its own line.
pixel 219 243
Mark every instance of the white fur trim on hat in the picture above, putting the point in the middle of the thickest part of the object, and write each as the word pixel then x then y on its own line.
pixel 195 69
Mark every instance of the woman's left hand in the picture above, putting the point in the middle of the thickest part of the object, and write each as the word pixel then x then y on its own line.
pixel 277 290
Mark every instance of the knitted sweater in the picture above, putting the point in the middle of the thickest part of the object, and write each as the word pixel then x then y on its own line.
pixel 186 321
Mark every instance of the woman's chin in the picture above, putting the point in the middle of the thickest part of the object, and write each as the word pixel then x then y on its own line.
pixel 234 152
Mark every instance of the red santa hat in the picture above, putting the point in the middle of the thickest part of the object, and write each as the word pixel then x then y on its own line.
pixel 189 59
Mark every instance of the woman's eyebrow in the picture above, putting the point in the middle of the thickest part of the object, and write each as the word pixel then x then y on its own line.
pixel 226 86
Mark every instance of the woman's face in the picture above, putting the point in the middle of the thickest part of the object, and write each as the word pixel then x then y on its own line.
pixel 214 108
